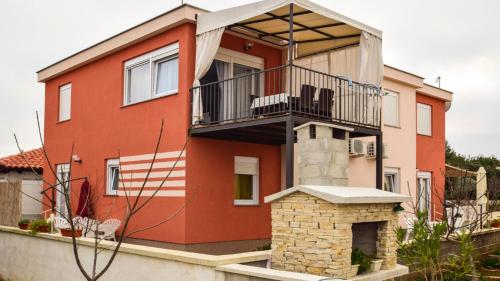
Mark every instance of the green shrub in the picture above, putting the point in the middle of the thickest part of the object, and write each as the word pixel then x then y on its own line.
pixel 364 261
pixel 461 266
pixel 37 224
pixel 491 263
pixel 423 252
pixel 23 221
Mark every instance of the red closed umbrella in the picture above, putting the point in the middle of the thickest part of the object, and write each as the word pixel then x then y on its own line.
pixel 84 208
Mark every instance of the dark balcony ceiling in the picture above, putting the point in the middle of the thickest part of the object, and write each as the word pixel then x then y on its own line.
pixel 269 130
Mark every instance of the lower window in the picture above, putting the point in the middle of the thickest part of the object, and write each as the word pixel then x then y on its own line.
pixel 113 173
pixel 246 180
pixel 424 191
pixel 391 180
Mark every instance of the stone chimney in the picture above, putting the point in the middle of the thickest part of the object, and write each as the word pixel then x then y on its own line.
pixel 323 154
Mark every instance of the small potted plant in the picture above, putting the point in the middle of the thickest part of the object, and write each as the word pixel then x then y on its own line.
pixel 23 224
pixel 360 262
pixel 495 223
pixel 39 226
pixel 375 265
pixel 69 233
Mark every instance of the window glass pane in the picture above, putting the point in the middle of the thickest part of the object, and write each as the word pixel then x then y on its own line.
pixel 389 182
pixel 391 109
pixel 424 119
pixel 65 103
pixel 167 77
pixel 138 83
pixel 243 187
pixel 114 178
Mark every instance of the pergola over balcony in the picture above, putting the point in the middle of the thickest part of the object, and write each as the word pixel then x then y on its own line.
pixel 344 90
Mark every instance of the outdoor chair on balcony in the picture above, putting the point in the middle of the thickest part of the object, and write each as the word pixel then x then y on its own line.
pixel 306 101
pixel 323 107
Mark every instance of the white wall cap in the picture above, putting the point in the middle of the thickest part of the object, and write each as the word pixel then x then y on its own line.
pixel 343 195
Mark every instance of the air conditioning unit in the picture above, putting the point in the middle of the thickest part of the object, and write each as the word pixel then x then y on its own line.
pixel 355 147
pixel 371 150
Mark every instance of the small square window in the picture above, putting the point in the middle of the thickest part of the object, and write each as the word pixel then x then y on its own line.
pixel 113 176
pixel 246 181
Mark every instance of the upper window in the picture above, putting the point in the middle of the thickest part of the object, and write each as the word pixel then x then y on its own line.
pixel 391 109
pixel 246 180
pixel 113 175
pixel 152 75
pixel 65 102
pixel 424 119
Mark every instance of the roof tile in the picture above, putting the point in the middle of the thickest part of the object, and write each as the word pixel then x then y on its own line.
pixel 25 160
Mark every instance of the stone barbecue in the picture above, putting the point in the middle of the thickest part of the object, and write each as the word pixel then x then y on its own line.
pixel 316 225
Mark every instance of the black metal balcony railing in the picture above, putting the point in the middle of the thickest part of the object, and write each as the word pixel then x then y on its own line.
pixel 274 91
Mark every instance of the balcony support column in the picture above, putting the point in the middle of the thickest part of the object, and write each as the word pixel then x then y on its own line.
pixel 290 139
pixel 379 161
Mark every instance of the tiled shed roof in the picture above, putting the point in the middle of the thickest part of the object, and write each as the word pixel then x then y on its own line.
pixel 25 161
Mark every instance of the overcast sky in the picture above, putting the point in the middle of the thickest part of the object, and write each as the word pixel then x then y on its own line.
pixel 455 39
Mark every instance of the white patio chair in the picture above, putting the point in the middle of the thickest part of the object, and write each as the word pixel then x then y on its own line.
pixel 108 228
pixel 60 222
pixel 89 227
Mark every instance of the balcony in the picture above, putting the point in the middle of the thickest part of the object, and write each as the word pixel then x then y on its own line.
pixel 255 105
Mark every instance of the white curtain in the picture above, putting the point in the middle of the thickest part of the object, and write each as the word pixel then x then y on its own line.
pixel 371 65
pixel 207 45
pixel 345 62
pixel 226 90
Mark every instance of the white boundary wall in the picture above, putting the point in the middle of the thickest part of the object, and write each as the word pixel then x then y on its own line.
pixel 49 257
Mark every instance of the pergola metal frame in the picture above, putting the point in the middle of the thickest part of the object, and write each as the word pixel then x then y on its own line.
pixel 290 42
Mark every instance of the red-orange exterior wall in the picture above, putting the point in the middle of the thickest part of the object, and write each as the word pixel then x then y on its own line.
pixel 431 152
pixel 100 126
pixel 212 215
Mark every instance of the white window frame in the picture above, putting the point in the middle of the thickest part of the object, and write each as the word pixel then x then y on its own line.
pixel 255 181
pixel 428 108
pixel 153 59
pixel 421 176
pixel 232 57
pixel 396 174
pixel 112 163
pixel 60 200
pixel 63 89
pixel 397 124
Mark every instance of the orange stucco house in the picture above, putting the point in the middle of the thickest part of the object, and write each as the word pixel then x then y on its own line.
pixel 230 87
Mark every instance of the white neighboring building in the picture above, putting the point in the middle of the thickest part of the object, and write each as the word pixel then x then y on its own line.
pixel 22 168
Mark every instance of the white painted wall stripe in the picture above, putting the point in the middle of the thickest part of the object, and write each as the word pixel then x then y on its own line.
pixel 179 183
pixel 160 193
pixel 130 175
pixel 156 165
pixel 161 155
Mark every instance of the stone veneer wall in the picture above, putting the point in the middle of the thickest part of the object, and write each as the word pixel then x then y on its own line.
pixel 315 236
